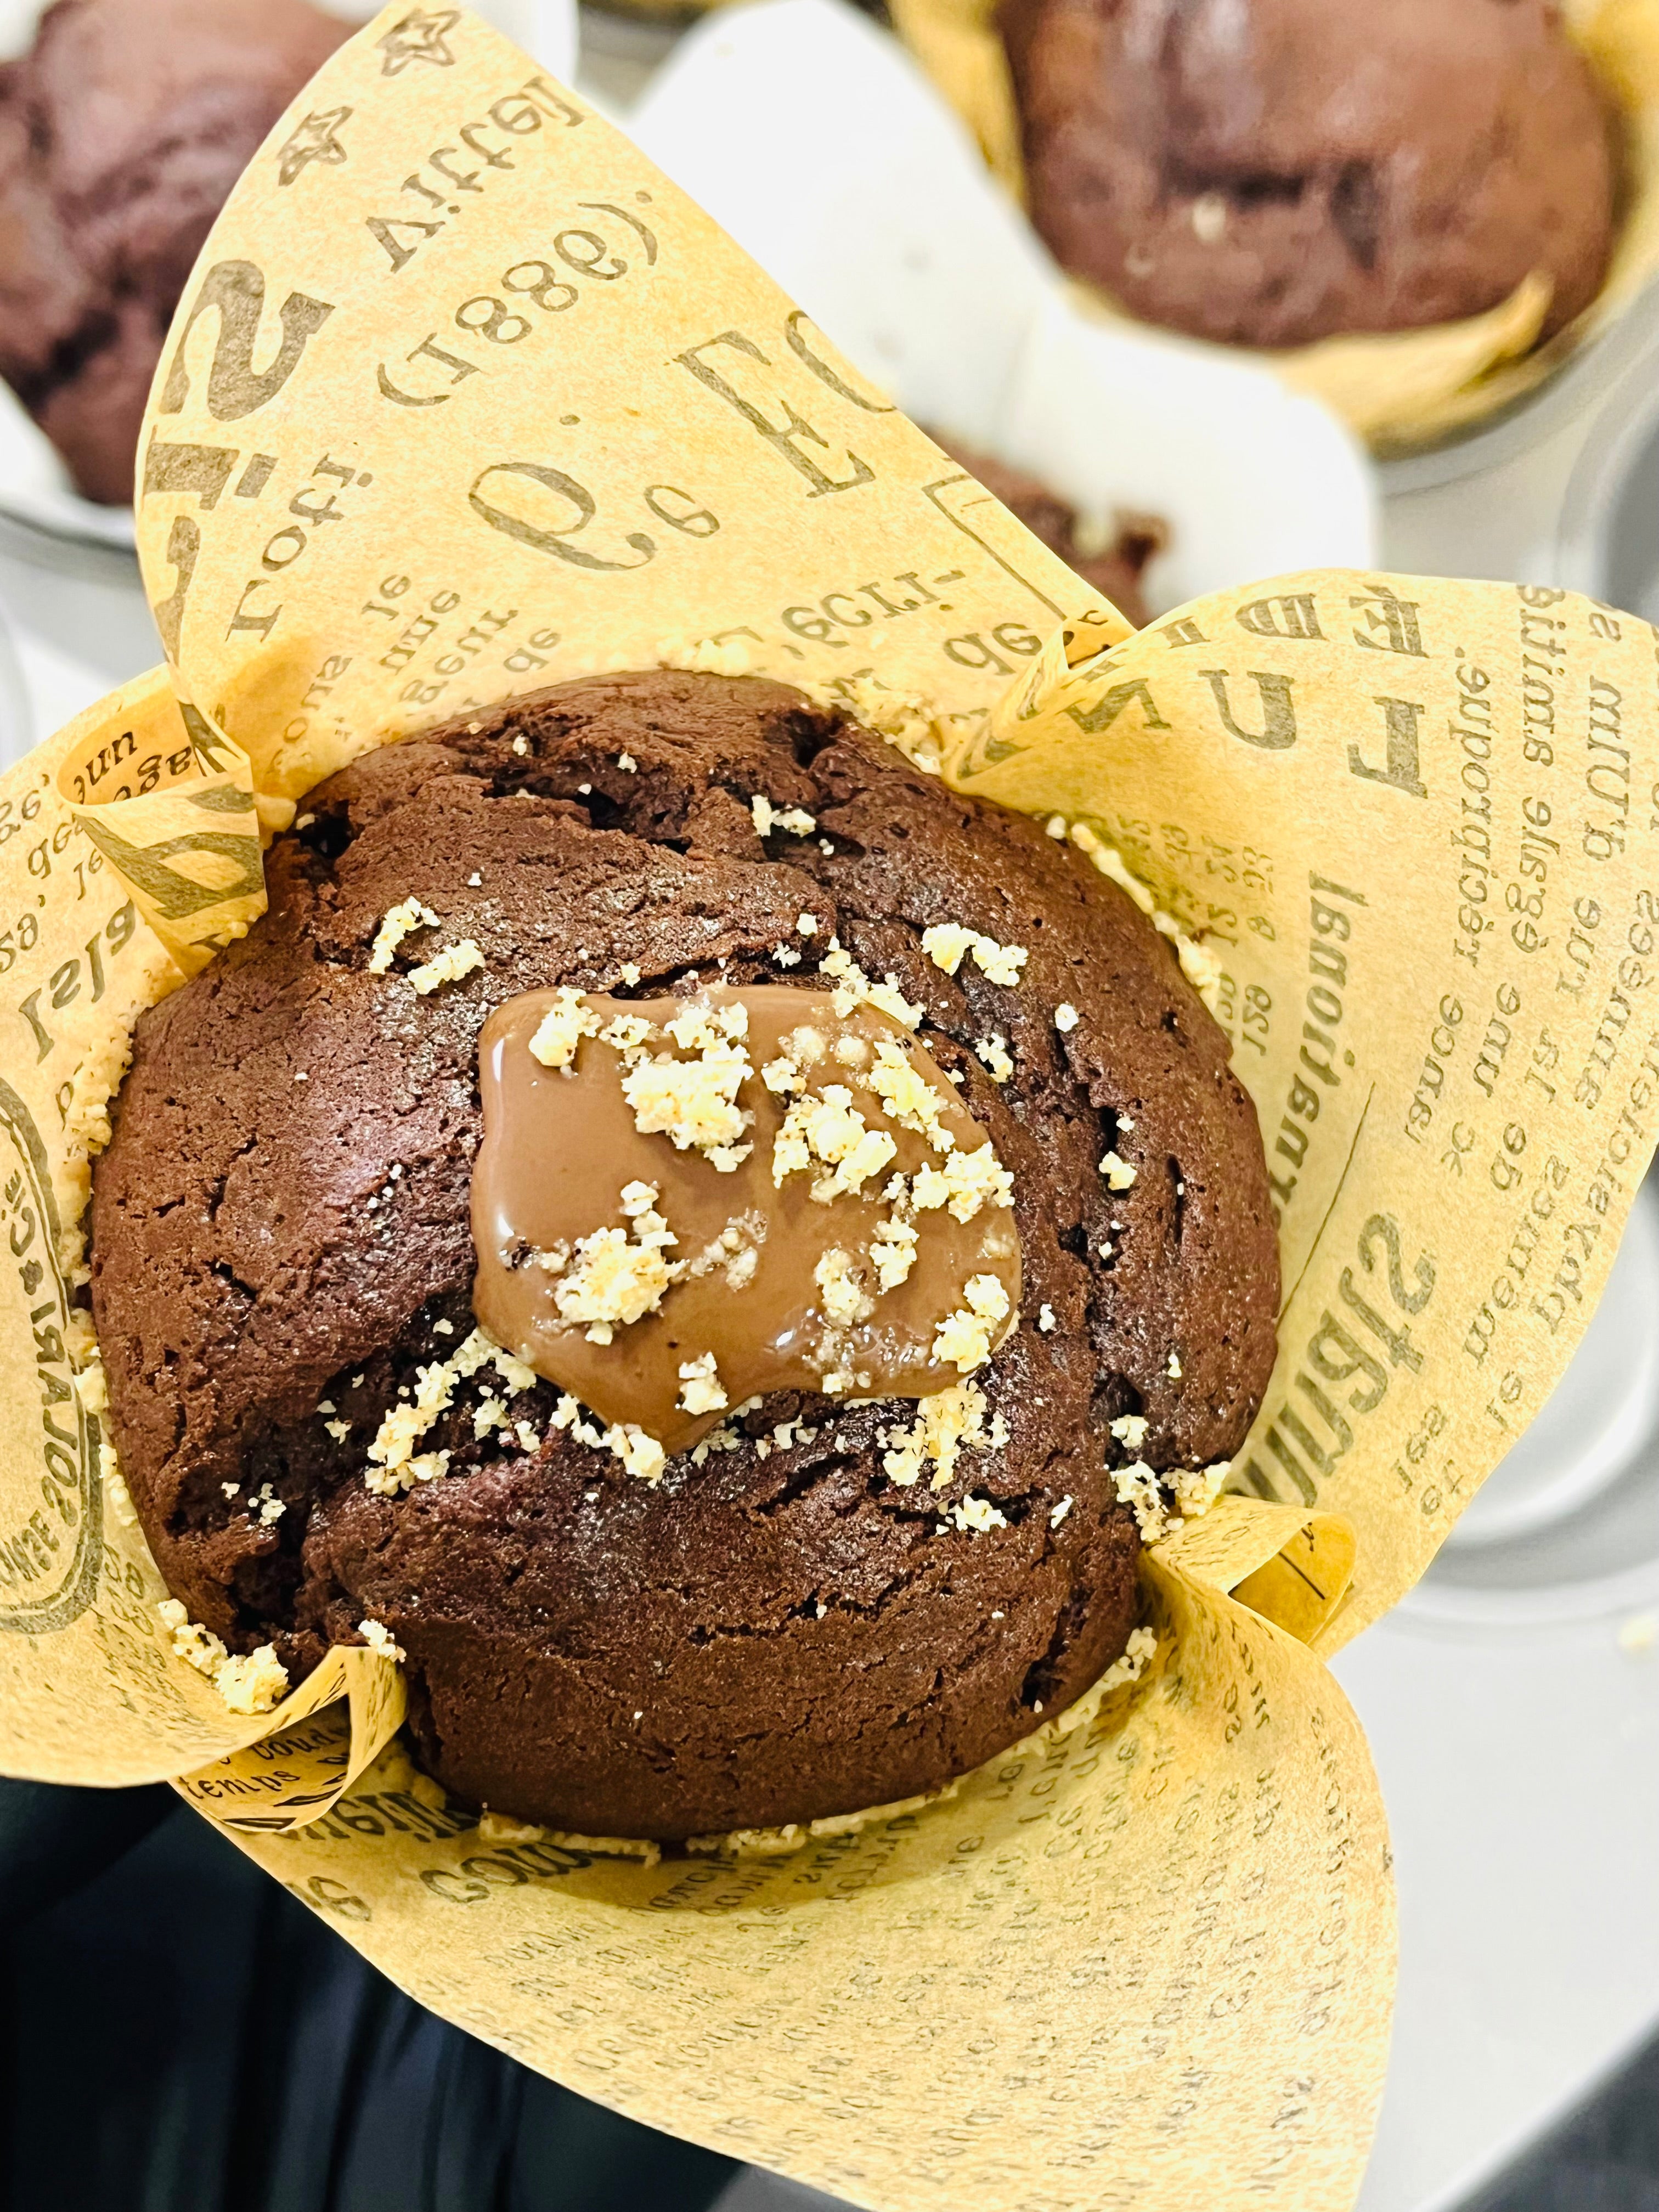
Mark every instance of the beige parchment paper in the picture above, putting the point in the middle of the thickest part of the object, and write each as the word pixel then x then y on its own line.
pixel 1147 1957
pixel 1400 390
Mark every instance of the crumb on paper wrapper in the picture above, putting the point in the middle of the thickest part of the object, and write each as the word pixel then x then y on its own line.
pixel 250 1684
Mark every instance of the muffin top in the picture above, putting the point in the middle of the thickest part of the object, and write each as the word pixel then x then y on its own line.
pixel 121 135
pixel 1268 173
pixel 824 1604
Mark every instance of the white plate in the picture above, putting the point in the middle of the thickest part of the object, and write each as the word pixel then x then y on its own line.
pixel 812 137
pixel 35 491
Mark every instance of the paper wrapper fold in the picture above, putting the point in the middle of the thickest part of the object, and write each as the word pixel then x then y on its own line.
pixel 1401 390
pixel 477 402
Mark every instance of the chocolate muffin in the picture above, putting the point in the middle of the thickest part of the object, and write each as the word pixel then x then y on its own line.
pixel 783 1623
pixel 1268 173
pixel 121 135
pixel 1115 570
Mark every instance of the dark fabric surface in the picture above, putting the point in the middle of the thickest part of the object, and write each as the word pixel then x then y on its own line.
pixel 1604 2159
pixel 179 2035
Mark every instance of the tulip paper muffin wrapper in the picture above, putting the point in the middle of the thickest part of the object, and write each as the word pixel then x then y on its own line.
pixel 1402 390
pixel 1410 823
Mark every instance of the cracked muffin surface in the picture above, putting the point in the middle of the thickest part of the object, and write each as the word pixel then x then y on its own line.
pixel 1270 172
pixel 774 1631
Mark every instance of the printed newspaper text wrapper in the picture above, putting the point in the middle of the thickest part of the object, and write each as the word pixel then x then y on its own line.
pixel 1151 1952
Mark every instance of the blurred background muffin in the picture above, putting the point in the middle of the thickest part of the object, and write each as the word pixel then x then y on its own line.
pixel 121 133
pixel 1270 172
pixel 1114 560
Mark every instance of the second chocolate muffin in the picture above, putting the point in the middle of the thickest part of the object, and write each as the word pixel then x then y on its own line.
pixel 121 134
pixel 1268 173
pixel 775 1629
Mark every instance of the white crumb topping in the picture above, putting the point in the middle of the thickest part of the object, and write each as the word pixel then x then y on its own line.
pixel 627 1032
pixel 1196 1489
pixel 520 744
pixel 267 1507
pixel 694 1101
pixel 829 1132
pixel 254 1684
pixel 629 974
pixel 977 1515
pixel 1138 1488
pixel 447 967
pixel 640 1454
pixel 844 1298
pixel 854 988
pixel 1057 827
pixel 785 955
pixel 379 1637
pixel 1202 968
pixel 1066 1017
pixel 909 1098
pixel 706 656
pixel 701 1389
pixel 502 1828
pixel 1173 1370
pixel 397 923
pixel 1057 1513
pixel 806 925
pixel 248 1686
pixel 627 763
pixel 967 1181
pixel 617 1275
pixel 893 1251
pixel 338 1429
pixel 1137 1654
pixel 1118 1175
pixel 1130 1430
pixel 946 1425
pixel 562 1028
pixel 965 1338
pixel 993 1051
pixel 794 821
pixel 1046 1321
pixel 1193 1490
pixel 947 944
pixel 394 1466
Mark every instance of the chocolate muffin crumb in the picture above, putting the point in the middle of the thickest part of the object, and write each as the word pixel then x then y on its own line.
pixel 777 1630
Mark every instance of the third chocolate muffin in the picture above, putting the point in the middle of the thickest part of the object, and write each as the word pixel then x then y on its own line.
pixel 1268 173
pixel 1116 568
pixel 700 1234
